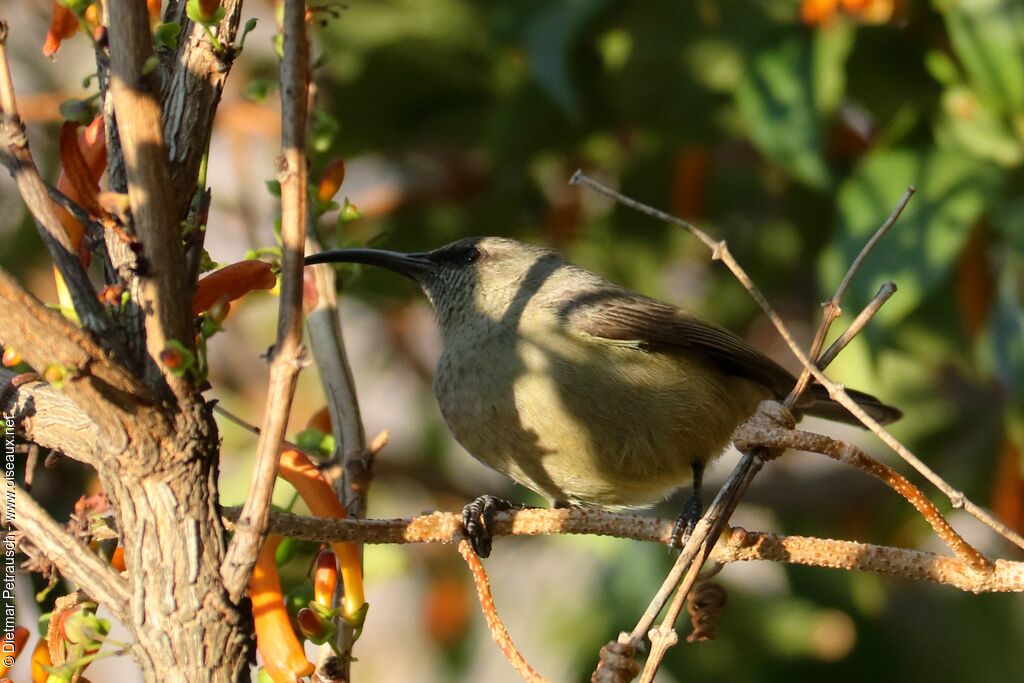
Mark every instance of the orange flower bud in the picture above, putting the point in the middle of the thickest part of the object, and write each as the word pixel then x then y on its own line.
pixel 325 578
pixel 11 358
pixel 63 25
pixel 331 180
pixel 41 660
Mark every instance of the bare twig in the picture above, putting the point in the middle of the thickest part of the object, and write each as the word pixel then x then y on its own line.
pixel 499 633
pixel 915 565
pixel 221 410
pixel 764 430
pixel 832 308
pixel 70 555
pixel 957 498
pixel 287 352
pixel 738 545
pixel 328 345
pixel 354 461
pixel 150 193
pixel 884 293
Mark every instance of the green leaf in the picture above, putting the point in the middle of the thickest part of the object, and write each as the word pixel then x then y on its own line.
pixel 256 90
pixel 952 192
pixel 988 38
pixel 783 98
pixel 166 34
pixel 323 130
pixel 550 37
pixel 316 441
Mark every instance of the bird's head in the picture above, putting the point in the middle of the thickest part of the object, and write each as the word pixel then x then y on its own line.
pixel 475 276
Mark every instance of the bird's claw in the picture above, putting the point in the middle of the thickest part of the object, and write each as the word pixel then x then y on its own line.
pixel 478 521
pixel 685 524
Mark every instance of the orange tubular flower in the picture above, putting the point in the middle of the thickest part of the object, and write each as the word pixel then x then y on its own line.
pixel 117 558
pixel 325 578
pixel 41 660
pixel 82 165
pixel 63 25
pixel 282 653
pixel 20 637
pixel 153 6
pixel 297 470
pixel 232 282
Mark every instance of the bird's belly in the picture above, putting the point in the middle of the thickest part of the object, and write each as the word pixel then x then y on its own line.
pixel 589 423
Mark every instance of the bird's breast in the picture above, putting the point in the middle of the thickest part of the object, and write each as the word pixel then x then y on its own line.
pixel 581 420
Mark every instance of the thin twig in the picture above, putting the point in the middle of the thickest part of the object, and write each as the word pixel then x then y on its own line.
pixel 499 633
pixel 877 301
pixel 249 427
pixel 354 461
pixel 70 555
pixel 738 545
pixel 837 393
pixel 764 430
pixel 287 352
pixel 328 345
pixel 832 308
pixel 867 248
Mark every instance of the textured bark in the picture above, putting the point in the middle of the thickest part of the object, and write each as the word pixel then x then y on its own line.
pixel 165 500
pixel 155 451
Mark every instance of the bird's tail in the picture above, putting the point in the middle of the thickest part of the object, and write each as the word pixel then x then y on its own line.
pixel 819 404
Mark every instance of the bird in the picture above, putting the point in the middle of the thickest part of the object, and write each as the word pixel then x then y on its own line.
pixel 579 389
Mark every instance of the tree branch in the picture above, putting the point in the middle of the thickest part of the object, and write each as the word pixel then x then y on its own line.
pixel 72 557
pixel 287 352
pixel 499 634
pixel 192 90
pixel 739 546
pixel 49 418
pixel 163 297
pixel 353 461
pixel 325 339
pixel 93 379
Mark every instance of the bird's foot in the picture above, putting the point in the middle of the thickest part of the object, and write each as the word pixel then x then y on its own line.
pixel 478 521
pixel 688 517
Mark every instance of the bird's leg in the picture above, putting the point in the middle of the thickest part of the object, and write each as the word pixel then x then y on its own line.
pixel 478 519
pixel 692 509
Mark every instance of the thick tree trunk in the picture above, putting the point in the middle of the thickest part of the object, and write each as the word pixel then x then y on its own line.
pixel 165 497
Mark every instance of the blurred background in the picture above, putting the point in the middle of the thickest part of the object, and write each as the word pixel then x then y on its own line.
pixel 789 129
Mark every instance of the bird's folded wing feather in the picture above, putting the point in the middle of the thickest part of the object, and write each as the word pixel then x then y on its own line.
pixel 622 317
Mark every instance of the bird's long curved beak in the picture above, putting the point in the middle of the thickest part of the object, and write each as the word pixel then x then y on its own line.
pixel 413 266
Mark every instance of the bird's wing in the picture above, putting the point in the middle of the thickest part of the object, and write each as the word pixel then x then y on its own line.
pixel 623 317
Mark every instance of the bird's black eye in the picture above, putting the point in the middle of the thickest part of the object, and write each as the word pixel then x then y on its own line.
pixel 456 255
pixel 469 256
